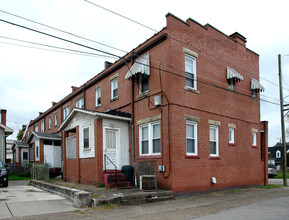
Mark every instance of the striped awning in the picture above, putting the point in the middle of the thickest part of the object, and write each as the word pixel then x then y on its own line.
pixel 141 65
pixel 231 73
pixel 255 85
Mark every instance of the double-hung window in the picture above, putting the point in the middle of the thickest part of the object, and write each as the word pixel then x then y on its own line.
pixel 98 97
pixel 254 135
pixel 190 69
pixel 231 136
pixel 36 128
pixel 214 141
pixel 150 139
pixel 191 136
pixel 86 138
pixel 42 126
pixel 49 122
pixel 55 119
pixel 80 103
pixel 66 112
pixel 114 88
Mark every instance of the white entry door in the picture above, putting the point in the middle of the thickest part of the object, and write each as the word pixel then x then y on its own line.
pixel 111 147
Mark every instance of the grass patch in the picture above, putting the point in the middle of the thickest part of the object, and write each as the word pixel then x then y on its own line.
pixel 271 186
pixel 280 175
pixel 13 177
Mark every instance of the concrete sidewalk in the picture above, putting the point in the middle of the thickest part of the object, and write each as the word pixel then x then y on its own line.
pixel 20 199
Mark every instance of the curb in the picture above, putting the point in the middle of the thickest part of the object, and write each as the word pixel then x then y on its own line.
pixel 80 199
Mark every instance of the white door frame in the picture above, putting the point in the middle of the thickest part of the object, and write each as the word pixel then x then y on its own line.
pixel 117 149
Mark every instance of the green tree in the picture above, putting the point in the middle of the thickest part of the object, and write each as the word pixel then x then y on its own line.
pixel 19 135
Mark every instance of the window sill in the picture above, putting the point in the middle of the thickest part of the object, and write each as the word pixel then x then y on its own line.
pixel 149 157
pixel 98 106
pixel 141 95
pixel 214 158
pixel 233 145
pixel 86 149
pixel 114 99
pixel 192 157
pixel 190 89
pixel 254 146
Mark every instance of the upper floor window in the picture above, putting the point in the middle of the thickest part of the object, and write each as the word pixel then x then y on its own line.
pixel 42 126
pixel 98 97
pixel 114 88
pixel 150 139
pixel 80 103
pixel 254 141
pixel 231 136
pixel 36 128
pixel 66 112
pixel 55 119
pixel 278 154
pixel 143 83
pixel 190 68
pixel 214 140
pixel 49 122
pixel 192 138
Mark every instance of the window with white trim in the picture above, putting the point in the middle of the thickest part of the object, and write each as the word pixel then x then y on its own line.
pixel 36 128
pixel 191 73
pixel 49 122
pixel 231 136
pixel 192 138
pixel 150 139
pixel 55 119
pixel 80 103
pixel 86 138
pixel 114 88
pixel 214 141
pixel 66 111
pixel 98 97
pixel 254 141
pixel 42 126
pixel 278 154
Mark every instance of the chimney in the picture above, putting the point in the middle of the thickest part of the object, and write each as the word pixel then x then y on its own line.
pixel 107 64
pixel 54 103
pixel 3 116
pixel 239 38
pixel 74 88
pixel 23 127
pixel 40 113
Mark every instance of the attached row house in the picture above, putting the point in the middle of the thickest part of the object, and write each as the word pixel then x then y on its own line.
pixel 183 107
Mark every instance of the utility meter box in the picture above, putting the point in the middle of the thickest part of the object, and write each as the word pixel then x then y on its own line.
pixel 157 100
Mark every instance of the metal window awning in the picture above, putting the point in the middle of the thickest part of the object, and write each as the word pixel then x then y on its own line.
pixel 141 65
pixel 255 85
pixel 233 74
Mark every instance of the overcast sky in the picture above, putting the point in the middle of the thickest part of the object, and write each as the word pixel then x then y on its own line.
pixel 30 79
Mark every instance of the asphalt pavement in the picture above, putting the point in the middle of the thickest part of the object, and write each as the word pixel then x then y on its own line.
pixel 20 199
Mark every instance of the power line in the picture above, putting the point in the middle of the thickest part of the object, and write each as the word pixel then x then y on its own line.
pixel 45 45
pixel 66 32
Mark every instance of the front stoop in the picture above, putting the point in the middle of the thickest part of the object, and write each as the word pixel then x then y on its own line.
pixel 116 180
pixel 139 197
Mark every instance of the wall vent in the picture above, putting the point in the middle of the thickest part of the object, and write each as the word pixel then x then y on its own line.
pixel 148 182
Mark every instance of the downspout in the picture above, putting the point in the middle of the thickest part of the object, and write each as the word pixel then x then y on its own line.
pixel 132 128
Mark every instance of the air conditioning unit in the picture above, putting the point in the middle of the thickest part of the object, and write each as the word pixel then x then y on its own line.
pixel 148 182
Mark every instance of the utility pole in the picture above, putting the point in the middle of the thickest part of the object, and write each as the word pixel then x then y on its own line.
pixel 282 123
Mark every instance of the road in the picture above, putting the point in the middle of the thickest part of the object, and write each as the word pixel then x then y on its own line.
pixel 20 200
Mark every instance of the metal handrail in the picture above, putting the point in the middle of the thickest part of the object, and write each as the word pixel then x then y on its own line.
pixel 106 157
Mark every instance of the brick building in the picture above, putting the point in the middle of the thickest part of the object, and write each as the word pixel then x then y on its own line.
pixel 184 105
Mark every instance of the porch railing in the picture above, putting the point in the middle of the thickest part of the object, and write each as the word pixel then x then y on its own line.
pixel 107 158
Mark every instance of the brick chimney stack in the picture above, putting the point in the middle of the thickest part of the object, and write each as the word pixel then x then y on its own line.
pixel 3 116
